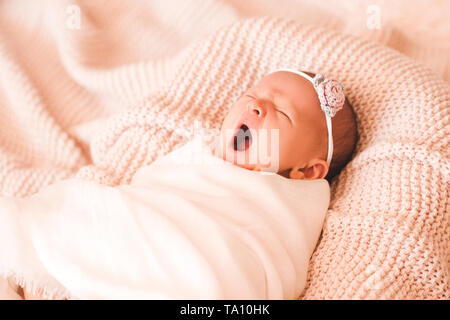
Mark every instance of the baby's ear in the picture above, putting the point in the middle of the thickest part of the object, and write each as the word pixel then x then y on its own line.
pixel 314 169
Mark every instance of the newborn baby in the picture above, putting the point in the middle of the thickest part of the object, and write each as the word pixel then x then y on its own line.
pixel 258 245
pixel 300 108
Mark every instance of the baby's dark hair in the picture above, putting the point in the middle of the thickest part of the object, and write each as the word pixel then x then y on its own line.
pixel 345 137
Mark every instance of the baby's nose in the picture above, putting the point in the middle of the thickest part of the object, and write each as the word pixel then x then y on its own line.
pixel 257 110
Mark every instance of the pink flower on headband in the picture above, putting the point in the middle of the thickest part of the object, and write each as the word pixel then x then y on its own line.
pixel 331 94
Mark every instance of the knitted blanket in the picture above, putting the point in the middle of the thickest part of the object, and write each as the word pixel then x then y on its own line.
pixel 386 233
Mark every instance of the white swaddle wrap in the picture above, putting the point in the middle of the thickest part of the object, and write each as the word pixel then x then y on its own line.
pixel 178 231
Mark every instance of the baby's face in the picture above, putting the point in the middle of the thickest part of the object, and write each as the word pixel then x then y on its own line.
pixel 287 103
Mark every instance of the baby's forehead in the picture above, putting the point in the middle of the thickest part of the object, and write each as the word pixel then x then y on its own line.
pixel 288 85
pixel 284 82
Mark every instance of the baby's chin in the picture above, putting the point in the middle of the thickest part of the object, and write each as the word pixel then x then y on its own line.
pixel 248 166
pixel 240 158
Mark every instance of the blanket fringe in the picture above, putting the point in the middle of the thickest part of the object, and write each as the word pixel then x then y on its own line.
pixel 35 287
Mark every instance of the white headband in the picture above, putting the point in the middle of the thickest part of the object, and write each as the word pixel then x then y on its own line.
pixel 331 97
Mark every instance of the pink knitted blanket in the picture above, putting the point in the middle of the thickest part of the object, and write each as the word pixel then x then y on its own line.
pixel 79 102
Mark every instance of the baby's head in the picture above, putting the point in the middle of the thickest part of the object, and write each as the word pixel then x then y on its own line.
pixel 289 102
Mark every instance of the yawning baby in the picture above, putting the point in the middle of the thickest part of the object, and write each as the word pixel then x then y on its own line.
pixel 222 231
pixel 300 109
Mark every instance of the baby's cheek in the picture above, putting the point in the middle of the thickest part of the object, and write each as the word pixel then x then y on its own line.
pixel 288 148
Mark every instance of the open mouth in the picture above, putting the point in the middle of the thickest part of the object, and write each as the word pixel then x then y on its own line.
pixel 242 138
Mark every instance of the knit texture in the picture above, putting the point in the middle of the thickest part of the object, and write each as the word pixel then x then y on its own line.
pixel 80 103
